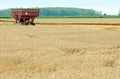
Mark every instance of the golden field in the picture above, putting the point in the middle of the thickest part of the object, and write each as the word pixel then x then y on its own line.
pixel 60 51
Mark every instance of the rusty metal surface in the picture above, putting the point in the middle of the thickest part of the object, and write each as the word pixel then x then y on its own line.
pixel 25 9
pixel 25 15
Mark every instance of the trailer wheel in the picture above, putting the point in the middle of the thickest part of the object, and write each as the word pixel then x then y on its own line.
pixel 32 23
pixel 17 21
pixel 26 23
pixel 22 23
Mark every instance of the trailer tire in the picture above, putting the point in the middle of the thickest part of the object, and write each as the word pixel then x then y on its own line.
pixel 27 23
pixel 22 23
pixel 32 23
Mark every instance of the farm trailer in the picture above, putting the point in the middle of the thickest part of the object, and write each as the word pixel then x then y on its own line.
pixel 25 16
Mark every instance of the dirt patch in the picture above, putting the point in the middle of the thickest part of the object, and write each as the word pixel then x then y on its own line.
pixel 73 51
pixel 111 28
pixel 109 63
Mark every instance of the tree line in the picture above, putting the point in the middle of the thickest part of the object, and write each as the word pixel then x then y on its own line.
pixel 58 11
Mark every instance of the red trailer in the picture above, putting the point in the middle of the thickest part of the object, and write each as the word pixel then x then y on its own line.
pixel 25 16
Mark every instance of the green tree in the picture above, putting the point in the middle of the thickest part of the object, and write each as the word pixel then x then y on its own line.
pixel 58 11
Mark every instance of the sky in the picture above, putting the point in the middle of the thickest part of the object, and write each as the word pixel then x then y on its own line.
pixel 105 6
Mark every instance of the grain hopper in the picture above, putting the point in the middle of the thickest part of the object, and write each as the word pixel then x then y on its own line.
pixel 25 16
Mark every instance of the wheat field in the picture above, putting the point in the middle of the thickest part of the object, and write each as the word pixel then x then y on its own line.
pixel 60 51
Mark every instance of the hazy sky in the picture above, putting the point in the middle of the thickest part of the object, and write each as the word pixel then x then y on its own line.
pixel 106 6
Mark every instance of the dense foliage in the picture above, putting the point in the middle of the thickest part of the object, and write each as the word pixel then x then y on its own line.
pixel 68 12
pixel 5 13
pixel 58 12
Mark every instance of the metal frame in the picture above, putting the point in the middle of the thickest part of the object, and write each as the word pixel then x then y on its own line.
pixel 25 16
